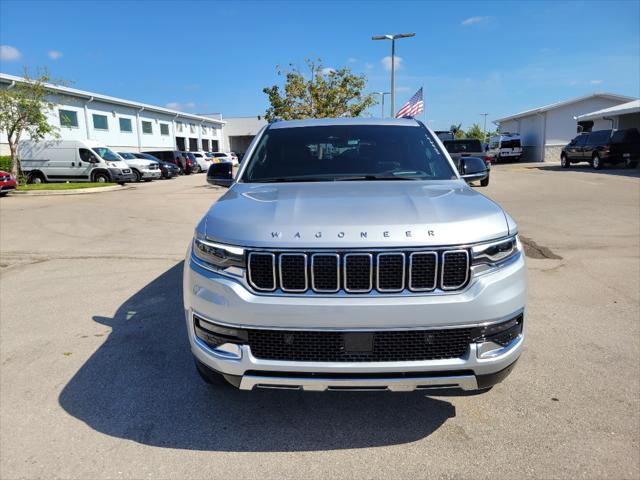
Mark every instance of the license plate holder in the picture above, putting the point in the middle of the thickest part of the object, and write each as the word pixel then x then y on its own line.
pixel 358 342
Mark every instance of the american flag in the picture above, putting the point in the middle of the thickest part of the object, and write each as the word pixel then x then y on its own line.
pixel 413 107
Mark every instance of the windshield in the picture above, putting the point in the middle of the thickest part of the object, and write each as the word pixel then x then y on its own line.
pixel 128 156
pixel 106 154
pixel 149 157
pixel 347 152
pixel 462 146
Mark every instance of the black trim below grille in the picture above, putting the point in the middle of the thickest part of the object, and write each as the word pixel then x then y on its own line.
pixel 381 346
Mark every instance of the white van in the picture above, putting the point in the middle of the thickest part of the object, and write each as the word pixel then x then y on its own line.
pixel 506 146
pixel 72 160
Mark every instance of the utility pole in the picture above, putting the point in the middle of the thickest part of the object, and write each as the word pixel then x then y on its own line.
pixel 484 130
pixel 382 94
pixel 393 38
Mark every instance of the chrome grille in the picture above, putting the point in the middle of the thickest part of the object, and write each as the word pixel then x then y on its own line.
pixel 455 269
pixel 358 272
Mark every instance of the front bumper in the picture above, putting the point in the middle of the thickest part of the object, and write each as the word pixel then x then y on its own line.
pixel 150 174
pixel 118 176
pixel 6 186
pixel 490 298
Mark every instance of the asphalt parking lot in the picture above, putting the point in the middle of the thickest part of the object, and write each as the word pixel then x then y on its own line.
pixel 97 379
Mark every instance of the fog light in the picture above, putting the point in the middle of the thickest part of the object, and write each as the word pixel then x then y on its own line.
pixel 493 338
pixel 216 336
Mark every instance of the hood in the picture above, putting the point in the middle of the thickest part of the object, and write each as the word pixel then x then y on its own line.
pixel 354 215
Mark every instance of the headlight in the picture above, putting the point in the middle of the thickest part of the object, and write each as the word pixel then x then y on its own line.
pixel 489 255
pixel 218 255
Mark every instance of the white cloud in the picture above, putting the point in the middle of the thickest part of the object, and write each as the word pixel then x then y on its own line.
pixel 386 63
pixel 352 60
pixel 328 70
pixel 474 21
pixel 9 53
pixel 54 54
pixel 368 66
pixel 180 106
pixel 595 82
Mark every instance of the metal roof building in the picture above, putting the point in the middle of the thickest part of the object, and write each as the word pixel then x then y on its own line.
pixel 545 130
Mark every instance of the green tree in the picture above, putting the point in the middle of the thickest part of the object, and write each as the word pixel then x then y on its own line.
pixel 475 131
pixel 457 131
pixel 23 110
pixel 324 93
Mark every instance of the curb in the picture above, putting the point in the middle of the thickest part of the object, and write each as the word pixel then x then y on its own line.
pixel 79 191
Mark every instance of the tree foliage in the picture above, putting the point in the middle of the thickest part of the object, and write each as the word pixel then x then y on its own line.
pixel 475 131
pixel 323 93
pixel 457 130
pixel 23 110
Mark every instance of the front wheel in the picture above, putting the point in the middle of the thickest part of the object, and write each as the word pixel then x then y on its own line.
pixel 596 162
pixel 564 162
pixel 136 176
pixel 101 177
pixel 36 178
pixel 630 163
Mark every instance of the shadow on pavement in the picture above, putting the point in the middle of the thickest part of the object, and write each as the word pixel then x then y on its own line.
pixel 141 385
pixel 621 171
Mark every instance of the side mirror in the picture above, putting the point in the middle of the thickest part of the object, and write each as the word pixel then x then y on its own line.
pixel 220 174
pixel 472 169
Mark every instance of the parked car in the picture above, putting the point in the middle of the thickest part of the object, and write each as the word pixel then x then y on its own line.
pixel 203 162
pixel 468 147
pixel 603 146
pixel 445 135
pixel 72 160
pixel 220 157
pixel 7 183
pixel 375 267
pixel 167 169
pixel 143 169
pixel 191 161
pixel 177 157
pixel 506 146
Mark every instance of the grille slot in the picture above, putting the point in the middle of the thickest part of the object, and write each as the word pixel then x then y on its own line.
pixel 390 272
pixel 262 271
pixel 293 272
pixel 358 272
pixel 388 346
pixel 455 269
pixel 325 272
pixel 423 271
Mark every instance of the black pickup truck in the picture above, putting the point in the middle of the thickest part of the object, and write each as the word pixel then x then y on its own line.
pixel 468 147
pixel 603 146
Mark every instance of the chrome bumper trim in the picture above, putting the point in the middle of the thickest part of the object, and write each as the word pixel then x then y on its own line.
pixel 465 382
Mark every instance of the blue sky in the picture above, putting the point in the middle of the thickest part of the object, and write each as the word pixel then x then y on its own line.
pixel 470 57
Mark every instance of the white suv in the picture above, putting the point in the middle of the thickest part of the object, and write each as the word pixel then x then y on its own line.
pixel 142 169
pixel 203 162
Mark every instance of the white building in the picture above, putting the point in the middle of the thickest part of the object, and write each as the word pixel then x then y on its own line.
pixel 123 124
pixel 239 131
pixel 545 130
pixel 625 115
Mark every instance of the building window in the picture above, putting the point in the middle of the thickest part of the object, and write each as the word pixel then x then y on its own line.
pixel 179 126
pixel 164 129
pixel 68 118
pixel 147 127
pixel 100 122
pixel 192 128
pixel 204 130
pixel 125 125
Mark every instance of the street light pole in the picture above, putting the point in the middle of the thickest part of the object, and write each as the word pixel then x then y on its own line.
pixel 382 94
pixel 393 38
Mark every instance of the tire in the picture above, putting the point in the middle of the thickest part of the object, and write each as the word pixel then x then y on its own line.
pixel 137 176
pixel 199 170
pixel 485 182
pixel 596 162
pixel 630 163
pixel 36 177
pixel 210 377
pixel 564 161
pixel 101 177
pixel 3 194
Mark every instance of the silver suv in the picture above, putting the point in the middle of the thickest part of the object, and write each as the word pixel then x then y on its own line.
pixel 351 254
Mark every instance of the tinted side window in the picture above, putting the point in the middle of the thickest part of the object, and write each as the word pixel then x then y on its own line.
pixel 598 138
pixel 581 140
